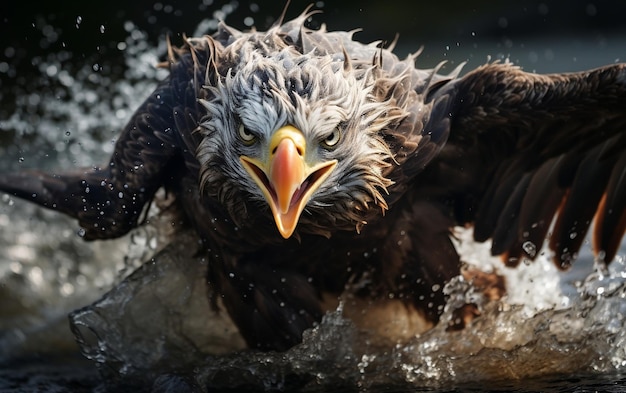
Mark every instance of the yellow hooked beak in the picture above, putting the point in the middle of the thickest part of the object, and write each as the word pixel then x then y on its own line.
pixel 286 180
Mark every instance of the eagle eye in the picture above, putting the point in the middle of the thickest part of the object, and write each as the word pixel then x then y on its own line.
pixel 330 142
pixel 245 135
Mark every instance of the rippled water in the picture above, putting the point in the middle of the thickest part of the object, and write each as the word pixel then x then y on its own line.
pixel 150 323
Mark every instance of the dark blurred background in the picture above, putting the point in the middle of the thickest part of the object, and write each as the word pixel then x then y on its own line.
pixel 543 36
pixel 449 22
pixel 454 19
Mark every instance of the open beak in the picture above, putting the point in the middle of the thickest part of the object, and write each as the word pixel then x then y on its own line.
pixel 286 179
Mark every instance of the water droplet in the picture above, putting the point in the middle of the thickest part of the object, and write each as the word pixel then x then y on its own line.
pixel 67 289
pixel 102 28
pixel 81 232
pixel 21 159
pixel 51 70
pixel 530 249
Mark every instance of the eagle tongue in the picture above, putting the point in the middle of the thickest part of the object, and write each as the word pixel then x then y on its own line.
pixel 286 175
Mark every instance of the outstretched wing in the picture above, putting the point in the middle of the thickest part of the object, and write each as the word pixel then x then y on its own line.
pixel 108 201
pixel 530 155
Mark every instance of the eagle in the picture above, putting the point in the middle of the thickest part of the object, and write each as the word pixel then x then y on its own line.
pixel 308 164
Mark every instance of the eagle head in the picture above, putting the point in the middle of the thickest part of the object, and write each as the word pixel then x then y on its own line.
pixel 296 134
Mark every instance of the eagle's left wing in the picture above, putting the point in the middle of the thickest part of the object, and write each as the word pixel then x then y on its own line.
pixel 534 155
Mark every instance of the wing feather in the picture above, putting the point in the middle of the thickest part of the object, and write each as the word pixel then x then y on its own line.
pixel 539 201
pixel 611 218
pixel 545 153
pixel 508 218
pixel 574 217
pixel 109 201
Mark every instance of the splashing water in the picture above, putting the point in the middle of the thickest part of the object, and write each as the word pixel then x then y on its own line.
pixel 150 308
pixel 544 333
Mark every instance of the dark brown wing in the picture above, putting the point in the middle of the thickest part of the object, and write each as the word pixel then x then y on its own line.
pixel 108 201
pixel 530 151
